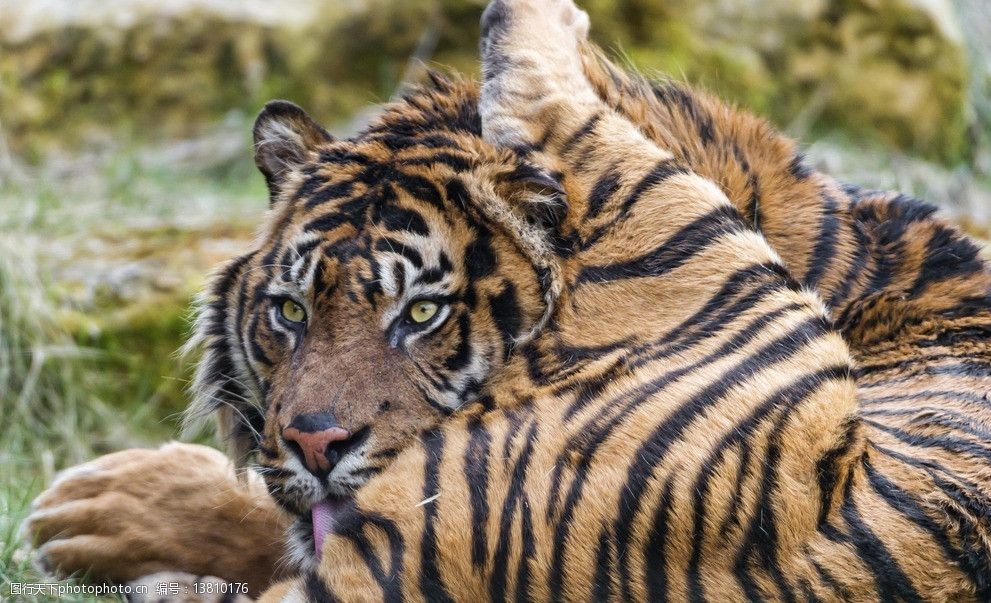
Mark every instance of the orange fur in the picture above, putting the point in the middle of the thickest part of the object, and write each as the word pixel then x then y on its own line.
pixel 754 381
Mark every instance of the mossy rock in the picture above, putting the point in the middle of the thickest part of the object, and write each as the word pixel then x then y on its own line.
pixel 893 70
pixel 127 304
pixel 135 351
pixel 888 69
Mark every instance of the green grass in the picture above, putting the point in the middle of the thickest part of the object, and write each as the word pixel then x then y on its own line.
pixel 87 357
pixel 46 421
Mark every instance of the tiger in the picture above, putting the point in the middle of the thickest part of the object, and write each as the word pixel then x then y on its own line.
pixel 722 375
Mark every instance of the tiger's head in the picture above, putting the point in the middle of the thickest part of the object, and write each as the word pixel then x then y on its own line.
pixel 394 275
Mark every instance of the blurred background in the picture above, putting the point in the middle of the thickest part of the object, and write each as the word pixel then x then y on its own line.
pixel 126 168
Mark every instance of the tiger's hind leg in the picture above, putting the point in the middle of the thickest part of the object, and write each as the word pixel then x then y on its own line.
pixel 647 227
pixel 527 76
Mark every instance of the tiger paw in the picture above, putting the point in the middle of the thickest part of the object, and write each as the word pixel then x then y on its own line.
pixel 137 512
pixel 532 70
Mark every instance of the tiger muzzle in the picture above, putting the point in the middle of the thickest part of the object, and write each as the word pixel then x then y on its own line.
pixel 318 440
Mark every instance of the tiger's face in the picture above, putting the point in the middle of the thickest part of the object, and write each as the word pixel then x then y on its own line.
pixel 394 275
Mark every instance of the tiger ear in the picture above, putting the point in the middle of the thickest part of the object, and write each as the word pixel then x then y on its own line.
pixel 537 194
pixel 284 136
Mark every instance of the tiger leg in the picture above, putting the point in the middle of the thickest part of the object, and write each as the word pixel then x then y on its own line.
pixel 136 512
pixel 518 94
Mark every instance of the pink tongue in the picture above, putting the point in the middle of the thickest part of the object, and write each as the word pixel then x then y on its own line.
pixel 323 521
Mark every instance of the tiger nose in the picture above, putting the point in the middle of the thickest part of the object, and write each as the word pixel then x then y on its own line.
pixel 312 435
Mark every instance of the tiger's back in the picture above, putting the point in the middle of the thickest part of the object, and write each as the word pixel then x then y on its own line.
pixel 910 294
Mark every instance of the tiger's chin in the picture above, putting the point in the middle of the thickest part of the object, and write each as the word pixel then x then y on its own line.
pixel 317 503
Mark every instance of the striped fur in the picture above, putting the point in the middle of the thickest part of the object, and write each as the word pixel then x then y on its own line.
pixel 754 383
pixel 418 207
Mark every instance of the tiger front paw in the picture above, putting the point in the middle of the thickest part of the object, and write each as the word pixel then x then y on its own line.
pixel 178 508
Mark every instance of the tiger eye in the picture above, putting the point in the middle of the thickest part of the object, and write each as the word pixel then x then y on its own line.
pixel 422 311
pixel 292 311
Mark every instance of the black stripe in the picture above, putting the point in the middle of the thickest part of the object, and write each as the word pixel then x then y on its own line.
pixel 825 246
pixel 761 539
pixel 655 559
pixel 238 333
pixel 529 551
pixel 956 396
pixel 582 133
pixel 753 206
pixel 327 222
pixel 462 351
pixel 949 254
pixel 343 155
pixel 352 524
pixel 476 470
pixel 431 582
pixel 390 245
pixel 602 583
pixel 904 503
pixel 828 467
pixel 743 471
pixel 950 444
pixel 506 312
pixel 394 217
pixel 316 590
pixel 480 259
pixel 257 353
pixel 856 268
pixel 331 192
pixel 798 168
pixel 931 416
pixel 661 172
pixel 458 162
pixel 430 276
pixel 431 140
pixel 673 95
pixel 671 254
pixel 421 188
pixel 602 192
pixel 890 581
pixel 827 579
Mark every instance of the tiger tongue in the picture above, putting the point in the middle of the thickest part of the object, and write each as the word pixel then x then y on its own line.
pixel 323 514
